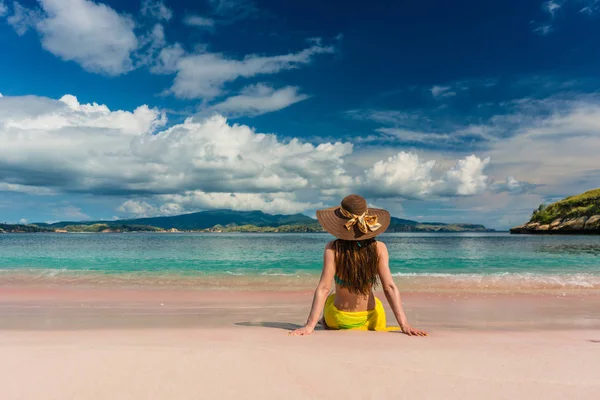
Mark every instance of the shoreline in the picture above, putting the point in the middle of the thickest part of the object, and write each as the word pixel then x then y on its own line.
pixel 283 281
pixel 74 307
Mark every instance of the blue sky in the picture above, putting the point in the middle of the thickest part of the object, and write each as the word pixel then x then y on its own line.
pixel 446 111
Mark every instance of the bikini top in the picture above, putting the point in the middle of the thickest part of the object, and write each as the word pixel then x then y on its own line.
pixel 339 281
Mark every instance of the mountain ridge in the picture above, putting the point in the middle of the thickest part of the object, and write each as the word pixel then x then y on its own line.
pixel 221 218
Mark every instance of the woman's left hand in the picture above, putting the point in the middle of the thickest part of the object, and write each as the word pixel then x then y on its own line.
pixel 410 331
pixel 304 331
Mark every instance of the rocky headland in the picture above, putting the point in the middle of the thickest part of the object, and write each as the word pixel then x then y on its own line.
pixel 574 215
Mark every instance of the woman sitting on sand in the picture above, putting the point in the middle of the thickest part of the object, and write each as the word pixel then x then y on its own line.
pixel 354 261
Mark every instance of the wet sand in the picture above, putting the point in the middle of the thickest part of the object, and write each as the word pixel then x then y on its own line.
pixel 72 307
pixel 98 343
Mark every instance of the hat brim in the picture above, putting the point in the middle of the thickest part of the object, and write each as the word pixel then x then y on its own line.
pixel 332 220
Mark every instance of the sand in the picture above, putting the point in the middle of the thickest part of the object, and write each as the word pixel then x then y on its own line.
pixel 78 343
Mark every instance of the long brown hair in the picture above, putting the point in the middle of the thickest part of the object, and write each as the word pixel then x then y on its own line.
pixel 356 264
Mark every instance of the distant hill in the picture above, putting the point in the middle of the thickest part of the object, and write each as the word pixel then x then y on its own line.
pixel 19 228
pixel 204 220
pixel 578 214
pixel 246 221
pixel 405 225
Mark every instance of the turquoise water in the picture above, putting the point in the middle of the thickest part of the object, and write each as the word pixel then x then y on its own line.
pixel 563 260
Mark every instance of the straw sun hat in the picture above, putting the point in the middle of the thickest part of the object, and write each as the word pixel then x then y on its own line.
pixel 353 220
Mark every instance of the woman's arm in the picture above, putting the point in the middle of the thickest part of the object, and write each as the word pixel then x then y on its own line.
pixel 392 293
pixel 321 293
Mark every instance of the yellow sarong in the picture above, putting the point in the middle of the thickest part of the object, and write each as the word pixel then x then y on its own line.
pixel 371 320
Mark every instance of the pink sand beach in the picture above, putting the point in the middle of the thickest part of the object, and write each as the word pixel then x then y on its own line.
pixel 66 342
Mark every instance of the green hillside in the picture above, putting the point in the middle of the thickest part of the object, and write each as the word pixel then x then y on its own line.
pixel 583 205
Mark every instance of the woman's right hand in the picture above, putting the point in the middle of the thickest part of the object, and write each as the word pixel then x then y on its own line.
pixel 410 331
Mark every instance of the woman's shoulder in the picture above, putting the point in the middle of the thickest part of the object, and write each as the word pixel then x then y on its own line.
pixel 381 246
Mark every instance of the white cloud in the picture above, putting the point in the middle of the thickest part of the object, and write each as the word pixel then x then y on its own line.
pixel 3 9
pixel 466 177
pixel 35 190
pixel 513 185
pixel 546 146
pixel 442 91
pixel 273 203
pixel 551 7
pixel 198 21
pixel 88 33
pixel 591 7
pixel 156 9
pixel 555 143
pixel 455 138
pixel 204 75
pixel 87 147
pixel 23 18
pixel 23 221
pixel 165 62
pixel 63 146
pixel 405 175
pixel 151 45
pixel 543 30
pixel 259 99
pixel 69 113
pixel 137 208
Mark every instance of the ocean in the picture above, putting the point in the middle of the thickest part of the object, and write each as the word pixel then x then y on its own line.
pixel 419 262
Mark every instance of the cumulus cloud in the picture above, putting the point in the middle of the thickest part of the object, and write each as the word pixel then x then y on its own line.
pixel 259 99
pixel 87 147
pixel 549 144
pixel 405 175
pixel 63 146
pixel 466 177
pixel 204 75
pixel 3 9
pixel 138 208
pixel 91 34
pixel 272 203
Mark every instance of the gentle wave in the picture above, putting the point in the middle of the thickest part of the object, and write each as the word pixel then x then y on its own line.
pixel 277 280
pixel 506 280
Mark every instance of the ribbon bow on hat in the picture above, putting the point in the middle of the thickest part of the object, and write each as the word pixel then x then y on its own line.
pixel 364 221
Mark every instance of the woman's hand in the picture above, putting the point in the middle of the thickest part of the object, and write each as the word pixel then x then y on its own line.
pixel 304 331
pixel 410 331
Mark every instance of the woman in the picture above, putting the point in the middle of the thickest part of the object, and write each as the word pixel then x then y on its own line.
pixel 354 261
